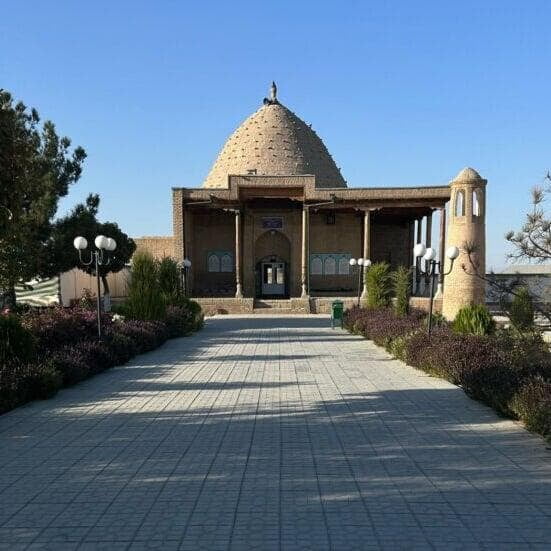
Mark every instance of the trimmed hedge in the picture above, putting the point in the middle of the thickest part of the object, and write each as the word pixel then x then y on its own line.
pixel 507 371
pixel 41 351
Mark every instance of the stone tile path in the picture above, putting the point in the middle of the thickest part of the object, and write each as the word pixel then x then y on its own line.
pixel 269 433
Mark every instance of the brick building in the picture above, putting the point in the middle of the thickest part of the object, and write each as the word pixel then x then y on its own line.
pixel 275 221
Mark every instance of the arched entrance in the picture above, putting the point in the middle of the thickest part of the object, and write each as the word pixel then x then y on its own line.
pixel 272 253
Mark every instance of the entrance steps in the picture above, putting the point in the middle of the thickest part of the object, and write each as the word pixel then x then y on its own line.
pixel 273 306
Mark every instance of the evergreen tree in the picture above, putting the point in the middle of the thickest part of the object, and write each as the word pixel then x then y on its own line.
pixel 61 256
pixel 36 169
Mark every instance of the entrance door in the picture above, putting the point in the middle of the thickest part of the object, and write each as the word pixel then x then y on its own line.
pixel 273 278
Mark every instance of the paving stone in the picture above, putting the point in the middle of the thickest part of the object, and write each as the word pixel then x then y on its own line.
pixel 269 433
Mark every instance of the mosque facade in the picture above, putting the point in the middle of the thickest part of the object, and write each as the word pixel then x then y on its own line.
pixel 275 225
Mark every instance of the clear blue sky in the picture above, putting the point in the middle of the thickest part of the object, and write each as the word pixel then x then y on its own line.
pixel 403 93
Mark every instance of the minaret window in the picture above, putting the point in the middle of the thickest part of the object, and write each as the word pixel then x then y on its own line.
pixel 459 203
pixel 477 204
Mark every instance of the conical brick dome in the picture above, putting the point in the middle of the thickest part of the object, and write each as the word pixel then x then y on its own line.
pixel 274 142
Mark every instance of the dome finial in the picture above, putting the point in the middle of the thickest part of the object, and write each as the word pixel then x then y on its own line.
pixel 272 100
pixel 273 92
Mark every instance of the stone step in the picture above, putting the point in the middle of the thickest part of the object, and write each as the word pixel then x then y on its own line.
pixel 268 303
pixel 276 311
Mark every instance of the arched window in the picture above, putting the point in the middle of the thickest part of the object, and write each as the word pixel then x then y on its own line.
pixel 226 264
pixel 316 267
pixel 213 263
pixel 459 203
pixel 330 267
pixel 477 203
pixel 344 265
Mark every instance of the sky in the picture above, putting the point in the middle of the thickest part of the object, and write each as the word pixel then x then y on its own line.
pixel 403 93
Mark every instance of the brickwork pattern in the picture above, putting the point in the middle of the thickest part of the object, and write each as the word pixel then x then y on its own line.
pixel 272 434
pixel 274 141
pixel 158 246
pixel 178 224
pixel 462 287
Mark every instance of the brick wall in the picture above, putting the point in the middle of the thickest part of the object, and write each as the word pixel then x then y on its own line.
pixel 158 246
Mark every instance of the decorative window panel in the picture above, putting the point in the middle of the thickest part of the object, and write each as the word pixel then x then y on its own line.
pixel 226 263
pixel 330 264
pixel 316 265
pixel 344 265
pixel 219 261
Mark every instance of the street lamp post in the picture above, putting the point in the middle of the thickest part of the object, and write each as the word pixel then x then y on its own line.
pixel 99 257
pixel 433 269
pixel 362 263
pixel 186 265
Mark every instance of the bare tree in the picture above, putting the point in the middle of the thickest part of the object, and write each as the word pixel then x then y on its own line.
pixel 532 242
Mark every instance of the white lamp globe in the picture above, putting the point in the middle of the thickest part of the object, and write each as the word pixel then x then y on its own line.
pixel 111 244
pixel 430 254
pixel 80 243
pixel 352 262
pixel 100 242
pixel 360 261
pixel 367 262
pixel 187 263
pixel 419 250
pixel 452 252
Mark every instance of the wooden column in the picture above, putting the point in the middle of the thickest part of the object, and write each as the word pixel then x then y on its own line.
pixel 442 252
pixel 367 248
pixel 419 239
pixel 187 249
pixel 304 263
pixel 238 287
pixel 428 236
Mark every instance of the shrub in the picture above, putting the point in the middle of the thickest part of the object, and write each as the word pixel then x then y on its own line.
pixel 54 328
pixel 24 382
pixel 521 310
pixel 474 320
pixel 43 381
pixel 71 363
pixel 532 404
pixel 169 279
pixel 378 283
pixel 98 356
pixel 180 321
pixel 382 326
pixel 145 299
pixel 401 280
pixel 16 343
pixel 509 371
pixel 146 334
pixel 122 346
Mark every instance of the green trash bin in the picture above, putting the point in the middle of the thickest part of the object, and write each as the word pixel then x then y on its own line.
pixel 337 311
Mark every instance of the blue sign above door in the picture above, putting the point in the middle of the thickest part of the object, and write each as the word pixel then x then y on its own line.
pixel 272 223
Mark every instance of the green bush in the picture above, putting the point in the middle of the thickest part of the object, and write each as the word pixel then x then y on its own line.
pixel 23 382
pixel 17 344
pixel 122 347
pixel 521 310
pixel 379 285
pixel 145 298
pixel 532 404
pixel 401 280
pixel 169 279
pixel 44 382
pixel 474 320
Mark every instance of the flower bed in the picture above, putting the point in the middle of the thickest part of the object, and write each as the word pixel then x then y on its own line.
pixel 41 351
pixel 508 371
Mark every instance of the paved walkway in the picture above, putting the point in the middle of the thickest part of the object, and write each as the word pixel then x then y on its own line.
pixel 269 433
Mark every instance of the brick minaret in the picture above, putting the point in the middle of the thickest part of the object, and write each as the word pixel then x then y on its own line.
pixel 466 225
